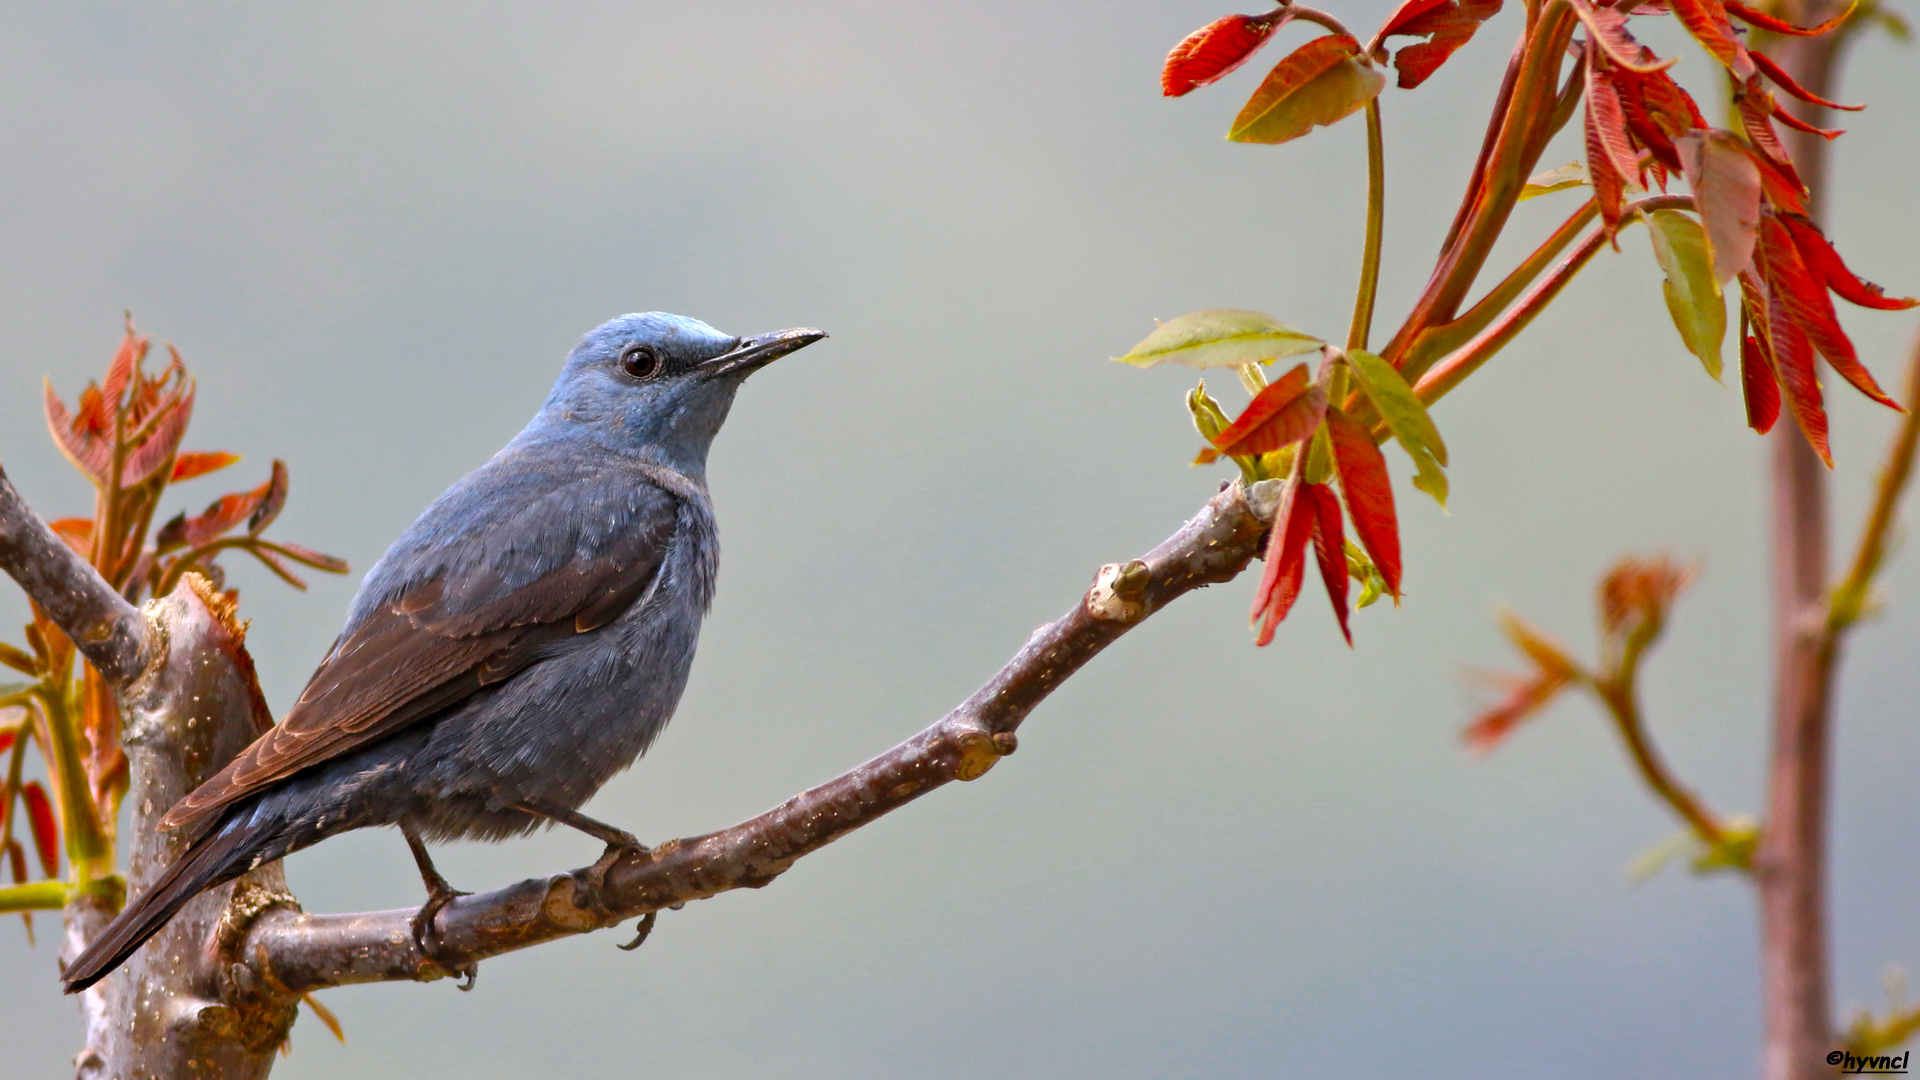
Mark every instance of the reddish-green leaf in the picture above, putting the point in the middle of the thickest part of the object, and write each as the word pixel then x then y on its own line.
pixel 1785 82
pixel 1793 287
pixel 1284 412
pixel 1363 477
pixel 1330 550
pixel 1322 82
pixel 1726 192
pixel 1761 387
pixel 1446 24
pixel 1286 562
pixel 1547 654
pixel 46 829
pixel 1792 357
pixel 1609 184
pixel 1707 21
pixel 188 466
pixel 1214 50
pixel 1823 260
pixel 1780 26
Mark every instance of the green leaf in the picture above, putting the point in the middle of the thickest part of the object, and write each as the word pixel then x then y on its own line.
pixel 1566 176
pixel 1361 569
pixel 1322 82
pixel 34 896
pixel 1319 457
pixel 1220 337
pixel 1209 419
pixel 1430 479
pixel 1405 414
pixel 1693 298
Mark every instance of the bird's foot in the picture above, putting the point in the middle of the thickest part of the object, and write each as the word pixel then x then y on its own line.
pixel 640 931
pixel 426 937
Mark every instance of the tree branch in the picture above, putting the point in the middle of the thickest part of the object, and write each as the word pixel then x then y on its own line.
pixel 297 952
pixel 107 630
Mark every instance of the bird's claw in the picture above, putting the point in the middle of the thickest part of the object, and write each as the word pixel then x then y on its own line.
pixel 427 939
pixel 641 931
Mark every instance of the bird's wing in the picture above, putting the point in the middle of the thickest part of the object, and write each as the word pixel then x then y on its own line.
pixel 564 561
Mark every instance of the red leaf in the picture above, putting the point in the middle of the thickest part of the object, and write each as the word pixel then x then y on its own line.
pixel 1785 82
pixel 313 558
pixel 188 466
pixel 1286 562
pixel 1804 298
pixel 1525 695
pixel 224 513
pixel 1755 106
pixel 1330 550
pixel 1214 50
pixel 1780 26
pixel 1608 120
pixel 7 738
pixel 1363 476
pixel 1609 185
pixel 18 856
pixel 1607 29
pixel 1798 124
pixel 1792 356
pixel 92 455
pixel 1762 388
pixel 46 831
pixel 1408 13
pixel 1707 21
pixel 1285 411
pixel 1658 111
pixel 133 349
pixel 77 532
pixel 161 442
pixel 1823 260
pixel 1446 25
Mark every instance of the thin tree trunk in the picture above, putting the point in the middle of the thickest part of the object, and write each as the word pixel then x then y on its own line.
pixel 179 1007
pixel 1791 862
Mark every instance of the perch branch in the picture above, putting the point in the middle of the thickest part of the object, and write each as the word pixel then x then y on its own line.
pixel 299 952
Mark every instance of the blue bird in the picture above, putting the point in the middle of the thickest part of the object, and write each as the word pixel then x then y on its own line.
pixel 523 641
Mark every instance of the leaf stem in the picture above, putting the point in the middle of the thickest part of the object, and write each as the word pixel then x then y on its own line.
pixel 1448 373
pixel 1362 323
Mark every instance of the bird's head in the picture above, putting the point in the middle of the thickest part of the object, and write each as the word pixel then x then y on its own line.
pixel 658 384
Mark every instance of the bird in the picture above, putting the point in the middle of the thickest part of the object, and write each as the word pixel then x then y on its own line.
pixel 524 640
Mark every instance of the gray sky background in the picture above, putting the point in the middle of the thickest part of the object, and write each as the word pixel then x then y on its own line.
pixel 375 229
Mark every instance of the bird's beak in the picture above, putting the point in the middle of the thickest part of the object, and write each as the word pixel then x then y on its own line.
pixel 757 352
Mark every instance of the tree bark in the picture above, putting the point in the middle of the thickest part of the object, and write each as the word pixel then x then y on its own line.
pixel 183 1006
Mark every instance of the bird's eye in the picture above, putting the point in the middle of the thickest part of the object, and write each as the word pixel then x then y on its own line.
pixel 640 361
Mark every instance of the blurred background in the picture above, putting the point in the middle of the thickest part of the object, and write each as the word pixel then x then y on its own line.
pixel 374 230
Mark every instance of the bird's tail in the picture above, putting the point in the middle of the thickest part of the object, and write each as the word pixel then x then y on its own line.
pixel 215 859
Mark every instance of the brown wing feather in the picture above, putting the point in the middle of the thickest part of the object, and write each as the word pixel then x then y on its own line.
pixel 421 654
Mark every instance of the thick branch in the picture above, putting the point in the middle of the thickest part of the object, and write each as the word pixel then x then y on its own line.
pixel 299 952
pixel 105 628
